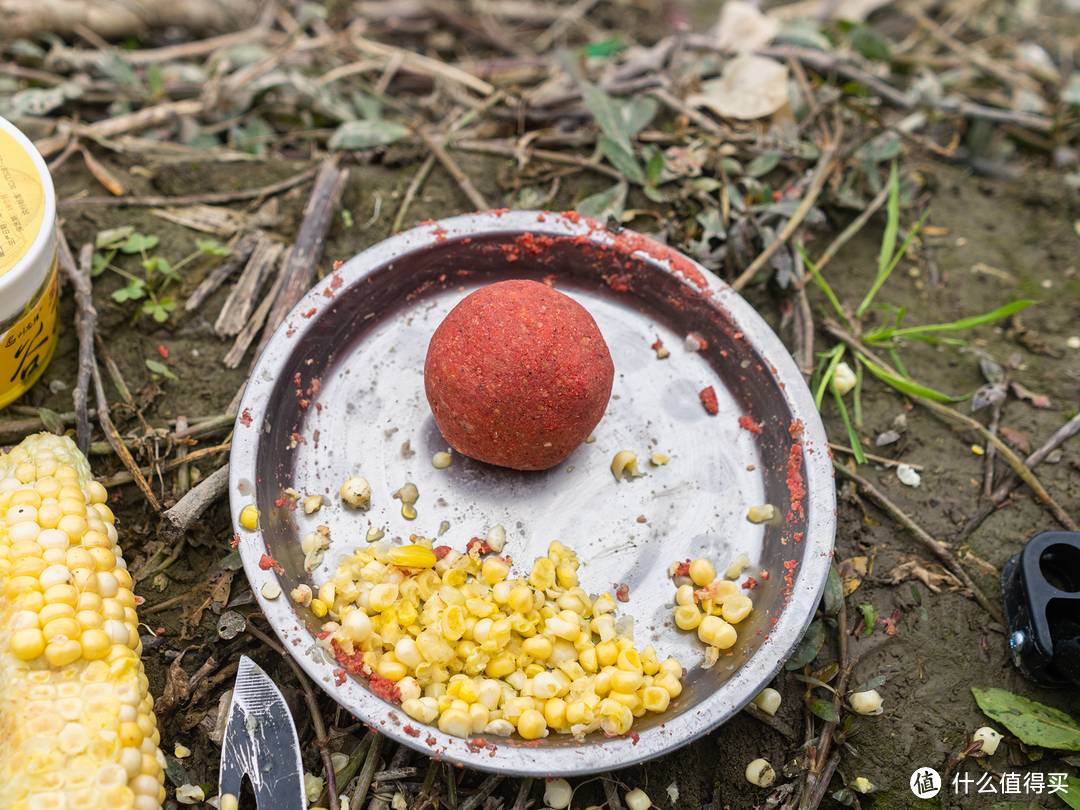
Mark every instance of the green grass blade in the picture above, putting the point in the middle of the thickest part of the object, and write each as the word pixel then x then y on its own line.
pixel 823 285
pixel 965 323
pixel 857 392
pixel 888 240
pixel 898 364
pixel 853 437
pixel 835 353
pixel 909 387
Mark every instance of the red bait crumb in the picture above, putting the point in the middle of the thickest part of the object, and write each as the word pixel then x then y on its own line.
pixel 747 423
pixel 796 486
pixel 683 569
pixel 338 263
pixel 764 575
pixel 245 418
pixel 622 592
pixel 340 676
pixel 267 562
pixel 441 551
pixel 412 732
pixel 309 313
pixel 796 429
pixel 750 583
pixel 235 541
pixel 163 352
pixel 635 737
pixel 708 399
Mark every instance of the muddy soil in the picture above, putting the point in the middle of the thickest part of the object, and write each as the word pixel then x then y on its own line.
pixel 1021 229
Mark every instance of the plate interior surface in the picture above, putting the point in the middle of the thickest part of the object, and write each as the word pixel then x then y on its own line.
pixel 339 392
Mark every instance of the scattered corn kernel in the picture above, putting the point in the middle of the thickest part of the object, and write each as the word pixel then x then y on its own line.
pixel 440 461
pixel 989 739
pixel 768 700
pixel 356 492
pixel 977 449
pixel 760 773
pixel 557 794
pixel 181 751
pixel 312 504
pixel 868 703
pixel 301 594
pixel 624 465
pixel 271 590
pixel 496 538
pixel 702 572
pixel 738 565
pixel 862 784
pixel 249 518
pixel 374 534
pixel 658 459
pixel 637 799
pixel 761 514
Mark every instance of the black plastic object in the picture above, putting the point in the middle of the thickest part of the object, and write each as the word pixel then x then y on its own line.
pixel 1041 590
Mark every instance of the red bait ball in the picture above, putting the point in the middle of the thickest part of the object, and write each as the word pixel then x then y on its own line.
pixel 518 375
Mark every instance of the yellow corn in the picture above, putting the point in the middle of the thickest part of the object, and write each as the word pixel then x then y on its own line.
pixel 79 731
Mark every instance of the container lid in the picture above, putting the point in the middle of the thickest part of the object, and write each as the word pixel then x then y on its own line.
pixel 27 218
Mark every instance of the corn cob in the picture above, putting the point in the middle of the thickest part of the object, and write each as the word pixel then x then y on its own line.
pixel 77 727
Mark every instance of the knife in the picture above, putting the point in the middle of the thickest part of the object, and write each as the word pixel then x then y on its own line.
pixel 260 742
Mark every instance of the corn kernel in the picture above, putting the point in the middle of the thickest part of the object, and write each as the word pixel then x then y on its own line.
pixel 702 572
pixel 532 725
pixel 249 518
pixel 687 617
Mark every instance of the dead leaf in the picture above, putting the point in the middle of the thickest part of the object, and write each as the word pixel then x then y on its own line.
pixel 1036 400
pixel 848 10
pixel 749 87
pixel 1029 339
pixel 219 594
pixel 852 570
pixel 932 575
pixel 743 28
pixel 1016 439
pixel 213 219
pixel 103 175
pixel 177 687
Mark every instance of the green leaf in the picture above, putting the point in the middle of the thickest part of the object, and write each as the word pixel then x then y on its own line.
pixel 638 113
pixel 873 683
pixel 176 773
pixel 834 593
pixel 809 646
pixel 604 47
pixel 138 242
pixel 608 116
pixel 213 247
pixel 232 561
pixel 367 134
pixel 763 164
pixel 606 203
pixel 1071 796
pixel 866 42
pixel 134 290
pixel 916 594
pixel 52 421
pixel 869 615
pixel 623 160
pixel 909 387
pixel 653 193
pixel 113 237
pixel 823 285
pixel 823 709
pixel 826 377
pixel 813 681
pixel 160 368
pixel 654 166
pixel 1033 723
pixel 160 314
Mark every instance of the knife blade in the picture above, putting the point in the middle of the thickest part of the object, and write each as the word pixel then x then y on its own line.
pixel 260 742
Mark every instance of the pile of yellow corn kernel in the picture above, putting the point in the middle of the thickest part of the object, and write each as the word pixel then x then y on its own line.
pixel 476 652
pixel 712 608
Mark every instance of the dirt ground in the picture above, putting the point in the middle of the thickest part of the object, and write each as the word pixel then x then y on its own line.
pixel 1024 228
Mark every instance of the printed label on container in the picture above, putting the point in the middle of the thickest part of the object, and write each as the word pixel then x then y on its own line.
pixel 22 202
pixel 27 347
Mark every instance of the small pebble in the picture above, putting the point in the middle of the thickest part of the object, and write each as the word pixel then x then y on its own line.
pixel 1073 342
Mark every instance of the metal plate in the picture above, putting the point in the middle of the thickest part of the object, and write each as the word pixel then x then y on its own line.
pixel 363 332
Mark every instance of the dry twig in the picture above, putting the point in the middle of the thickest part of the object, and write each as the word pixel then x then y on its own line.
pixel 176 521
pixel 85 324
pixel 939 551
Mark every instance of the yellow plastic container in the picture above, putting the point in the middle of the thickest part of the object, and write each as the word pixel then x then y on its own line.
pixel 28 286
